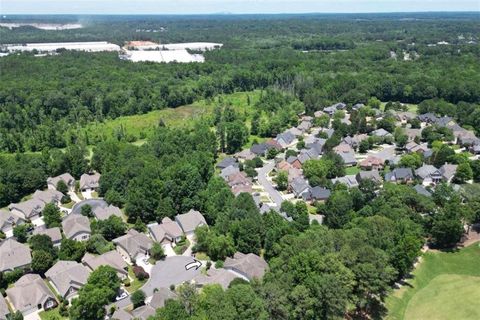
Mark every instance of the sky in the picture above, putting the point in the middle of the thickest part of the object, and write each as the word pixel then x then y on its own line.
pixel 230 6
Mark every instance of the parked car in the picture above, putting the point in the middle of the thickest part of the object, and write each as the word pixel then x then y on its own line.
pixel 122 294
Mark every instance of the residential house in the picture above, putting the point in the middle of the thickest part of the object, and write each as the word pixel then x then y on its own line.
pixel 167 232
pixel 317 145
pixel 404 116
pixel 316 194
pixel 331 109
pixel 105 213
pixel 28 210
pixel 260 150
pixel 444 121
pixel 294 162
pixel 285 139
pixel 295 131
pixel 349 180
pixel 121 314
pixel 228 161
pixel 239 178
pixel 52 182
pixel 143 312
pixel 30 294
pixel 48 196
pixel 110 258
pixel 222 277
pixel 418 148
pixel 67 277
pixel 249 266
pixel 190 221
pixel 373 175
pixel 307 154
pixel 133 245
pixel 429 118
pixel 161 296
pixel 76 227
pixel 400 175
pixel 242 188
pixel 14 255
pixel 318 113
pixel 304 126
pixel 343 147
pixel 89 182
pixel 448 171
pixel 382 133
pixel 348 158
pixel 54 233
pixel 245 154
pixel 420 189
pixel 372 163
pixel 228 171
pixel 413 133
pixel 4 311
pixel 273 144
pixel 357 106
pixel 294 173
pixel 283 165
pixel 428 174
pixel 306 118
pixel 329 132
pixel 298 186
pixel 9 220
pixel 355 141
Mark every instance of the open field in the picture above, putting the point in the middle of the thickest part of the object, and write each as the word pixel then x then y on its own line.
pixel 137 128
pixel 446 285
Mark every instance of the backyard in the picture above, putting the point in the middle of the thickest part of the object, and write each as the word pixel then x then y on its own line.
pixel 445 285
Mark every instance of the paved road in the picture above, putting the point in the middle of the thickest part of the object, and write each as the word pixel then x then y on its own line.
pixel 267 185
pixel 163 274
pixel 94 203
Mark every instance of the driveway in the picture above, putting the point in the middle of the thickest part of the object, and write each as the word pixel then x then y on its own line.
pixel 74 196
pixel 94 203
pixel 267 185
pixel 169 271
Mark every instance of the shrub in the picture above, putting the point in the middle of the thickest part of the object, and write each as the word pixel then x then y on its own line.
pixel 219 264
pixel 140 273
pixel 138 298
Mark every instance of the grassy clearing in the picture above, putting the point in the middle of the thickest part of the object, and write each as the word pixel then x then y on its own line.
pixel 135 284
pixel 410 107
pixel 352 170
pixel 444 286
pixel 51 314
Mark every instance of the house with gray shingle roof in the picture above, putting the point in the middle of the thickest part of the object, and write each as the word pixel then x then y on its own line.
pixel 121 314
pixel 190 221
pixel 54 233
pixel 28 210
pixel 67 277
pixel 111 258
pixel 228 161
pixel 105 213
pixel 298 186
pixel 228 171
pixel 249 266
pixel 66 177
pixel 89 182
pixel 373 175
pixel 133 245
pixel 76 227
pixel 14 255
pixel 285 139
pixel 161 296
pixel 143 312
pixel 30 294
pixel 316 194
pixel 421 190
pixel 348 158
pixel 48 196
pixel 382 133
pixel 400 175
pixel 166 232
pixel 448 171
pixel 429 174
pixel 222 277
pixel 8 220
pixel 349 180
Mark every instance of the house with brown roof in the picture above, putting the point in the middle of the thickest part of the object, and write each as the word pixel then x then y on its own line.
pixel 133 245
pixel 67 277
pixel 371 163
pixel 54 233
pixel 106 212
pixel 161 296
pixel 48 196
pixel 249 266
pixel 14 255
pixel 76 227
pixel 110 258
pixel 30 294
pixel 222 277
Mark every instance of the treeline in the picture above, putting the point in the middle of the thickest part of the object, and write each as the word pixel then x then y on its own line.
pixel 323 44
pixel 43 100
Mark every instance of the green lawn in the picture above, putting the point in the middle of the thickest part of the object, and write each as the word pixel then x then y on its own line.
pixel 51 315
pixel 446 285
pixel 352 170
pixel 135 284
pixel 181 246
